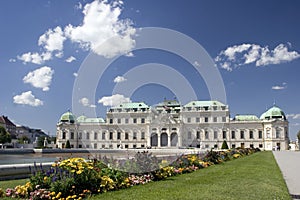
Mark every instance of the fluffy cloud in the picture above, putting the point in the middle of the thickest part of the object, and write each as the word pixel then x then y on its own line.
pixel 27 98
pixel 119 79
pixel 280 87
pixel 35 57
pixel 102 26
pixel 243 54
pixel 86 102
pixel 114 100
pixel 293 116
pixel 52 40
pixel 70 59
pixel 40 78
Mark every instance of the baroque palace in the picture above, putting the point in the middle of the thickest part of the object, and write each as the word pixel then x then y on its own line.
pixel 199 124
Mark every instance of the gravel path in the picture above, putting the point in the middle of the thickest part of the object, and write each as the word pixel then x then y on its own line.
pixel 289 163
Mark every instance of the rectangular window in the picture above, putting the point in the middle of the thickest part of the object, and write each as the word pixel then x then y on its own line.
pixel 134 136
pixel 134 146
pixel 223 119
pixel 143 135
pixel 95 136
pixel 119 121
pixel 143 120
pixel 134 120
pixel 87 135
pixel 260 146
pixel 72 135
pixel 242 135
pixel 198 119
pixel 233 146
pixel 95 145
pixel 126 146
pixel 206 135
pixel 103 135
pixel 215 119
pixel 205 119
pixel 251 145
pixel 111 121
pixel 224 134
pixel 119 135
pixel 278 133
pixel 198 134
pixel 232 134
pixel 268 134
pixel 80 136
pixel 64 135
pixel 260 134
pixel 206 146
pixel 189 120
pixel 126 136
pixel 126 121
pixel 251 134
pixel 189 135
pixel 205 108
pixel 103 146
pixel 111 135
pixel 215 134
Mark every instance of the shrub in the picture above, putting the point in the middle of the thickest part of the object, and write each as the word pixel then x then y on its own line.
pixel 224 145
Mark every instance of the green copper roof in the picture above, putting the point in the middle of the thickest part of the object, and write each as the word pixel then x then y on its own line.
pixel 171 103
pixel 246 118
pixel 67 117
pixel 84 119
pixel 273 113
pixel 131 105
pixel 203 104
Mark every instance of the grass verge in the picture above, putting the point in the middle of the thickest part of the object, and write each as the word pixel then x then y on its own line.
pixel 12 183
pixel 253 177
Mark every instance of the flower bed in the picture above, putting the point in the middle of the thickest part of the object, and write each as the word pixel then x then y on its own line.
pixel 77 178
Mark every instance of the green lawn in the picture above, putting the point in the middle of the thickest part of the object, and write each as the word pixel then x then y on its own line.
pixel 12 183
pixel 252 177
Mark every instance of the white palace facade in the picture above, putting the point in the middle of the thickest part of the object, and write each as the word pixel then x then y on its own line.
pixel 198 124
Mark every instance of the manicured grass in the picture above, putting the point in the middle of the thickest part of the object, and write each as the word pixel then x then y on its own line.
pixel 12 183
pixel 252 177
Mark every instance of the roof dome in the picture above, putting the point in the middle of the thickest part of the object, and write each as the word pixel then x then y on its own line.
pixel 67 117
pixel 273 113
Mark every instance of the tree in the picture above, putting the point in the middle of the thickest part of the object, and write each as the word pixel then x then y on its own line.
pixel 23 139
pixel 5 137
pixel 224 145
pixel 298 135
pixel 68 145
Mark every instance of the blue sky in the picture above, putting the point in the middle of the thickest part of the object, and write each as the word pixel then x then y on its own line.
pixel 44 44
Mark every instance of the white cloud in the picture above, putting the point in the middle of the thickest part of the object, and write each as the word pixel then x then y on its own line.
pixel 35 58
pixel 59 54
pixel 78 6
pixel 114 100
pixel 27 98
pixel 70 59
pixel 86 102
pixel 52 40
pixel 75 74
pixel 119 79
pixel 102 26
pixel 293 116
pixel 243 54
pixel 196 64
pixel 280 87
pixel 40 78
pixel 12 60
